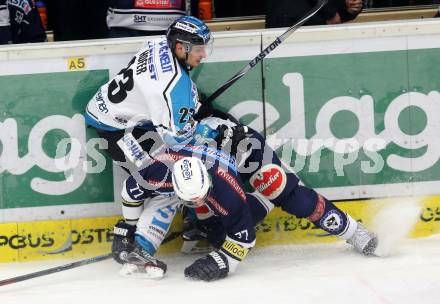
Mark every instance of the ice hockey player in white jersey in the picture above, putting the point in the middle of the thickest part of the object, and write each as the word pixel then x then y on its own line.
pixel 154 96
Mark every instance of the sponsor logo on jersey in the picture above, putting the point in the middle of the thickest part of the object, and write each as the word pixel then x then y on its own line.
pixel 232 181
pixel 164 57
pixel 158 231
pixel 151 65
pixel 234 250
pixel 217 206
pixel 153 237
pixel 159 183
pixel 120 120
pixel 213 153
pixel 100 102
pixel 132 149
pixel 319 209
pixel 168 157
pixel 139 19
pixel 157 4
pixel 332 221
pixel 270 181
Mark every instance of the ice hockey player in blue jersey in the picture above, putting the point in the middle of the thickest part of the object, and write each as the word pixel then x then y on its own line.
pixel 259 165
pixel 274 185
pixel 214 185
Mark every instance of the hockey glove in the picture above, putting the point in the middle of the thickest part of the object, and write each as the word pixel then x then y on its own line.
pixel 214 230
pixel 229 138
pixel 123 241
pixel 205 110
pixel 212 267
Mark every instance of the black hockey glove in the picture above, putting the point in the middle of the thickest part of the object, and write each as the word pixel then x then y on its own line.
pixel 123 241
pixel 214 230
pixel 229 138
pixel 212 267
pixel 205 110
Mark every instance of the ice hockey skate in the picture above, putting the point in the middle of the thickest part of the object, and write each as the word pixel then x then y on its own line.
pixel 139 261
pixel 364 241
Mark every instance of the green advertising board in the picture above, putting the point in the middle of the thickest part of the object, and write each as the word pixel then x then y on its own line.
pixel 38 112
pixel 346 120
pixel 363 122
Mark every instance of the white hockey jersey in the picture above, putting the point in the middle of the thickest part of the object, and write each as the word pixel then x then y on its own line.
pixel 145 15
pixel 153 92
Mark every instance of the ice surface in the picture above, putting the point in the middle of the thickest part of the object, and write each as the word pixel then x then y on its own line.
pixel 324 273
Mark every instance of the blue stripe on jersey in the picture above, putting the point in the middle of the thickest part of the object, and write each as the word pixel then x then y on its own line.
pixel 91 121
pixel 182 100
pixel 217 155
pixel 145 244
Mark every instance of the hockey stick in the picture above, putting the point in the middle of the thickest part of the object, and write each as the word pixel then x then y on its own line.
pixel 264 53
pixel 55 269
pixel 99 258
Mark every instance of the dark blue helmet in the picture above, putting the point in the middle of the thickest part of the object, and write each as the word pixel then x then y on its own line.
pixel 188 30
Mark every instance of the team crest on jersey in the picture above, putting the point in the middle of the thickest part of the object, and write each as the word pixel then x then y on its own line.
pixel 270 181
pixel 332 221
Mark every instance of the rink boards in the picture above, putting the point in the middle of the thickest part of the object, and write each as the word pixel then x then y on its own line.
pixel 352 109
pixel 88 237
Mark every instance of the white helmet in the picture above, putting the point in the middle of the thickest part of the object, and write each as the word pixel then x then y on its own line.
pixel 190 179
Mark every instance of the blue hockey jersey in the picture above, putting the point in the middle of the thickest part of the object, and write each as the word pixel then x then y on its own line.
pixel 226 199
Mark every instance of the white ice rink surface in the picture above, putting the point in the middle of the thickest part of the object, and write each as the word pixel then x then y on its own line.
pixel 324 273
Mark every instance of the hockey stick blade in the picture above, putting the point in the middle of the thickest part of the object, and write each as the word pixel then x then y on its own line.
pixel 265 52
pixel 55 269
pixel 99 258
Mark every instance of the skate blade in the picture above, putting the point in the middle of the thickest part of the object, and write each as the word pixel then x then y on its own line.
pixel 153 272
pixel 129 269
pixel 149 272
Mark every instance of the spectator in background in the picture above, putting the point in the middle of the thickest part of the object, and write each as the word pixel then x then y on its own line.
pixel 239 8
pixel 77 19
pixel 284 13
pixel 128 18
pixel 20 22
